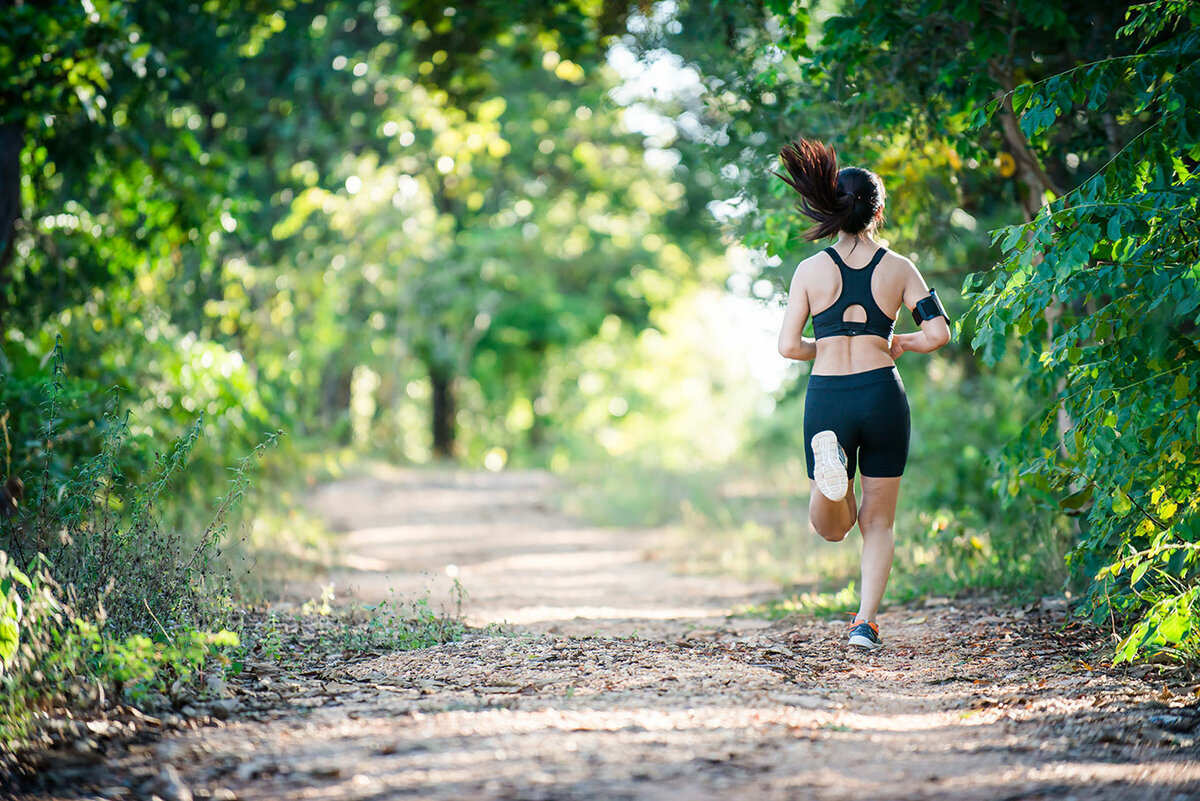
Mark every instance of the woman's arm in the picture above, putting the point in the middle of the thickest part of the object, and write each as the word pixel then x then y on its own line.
pixel 934 333
pixel 792 342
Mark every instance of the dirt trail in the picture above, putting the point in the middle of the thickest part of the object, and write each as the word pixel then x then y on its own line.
pixel 965 701
pixel 520 562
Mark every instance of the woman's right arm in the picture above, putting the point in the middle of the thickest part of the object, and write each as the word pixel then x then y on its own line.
pixel 792 342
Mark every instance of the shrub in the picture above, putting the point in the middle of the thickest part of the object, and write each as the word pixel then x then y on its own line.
pixel 1101 292
pixel 94 591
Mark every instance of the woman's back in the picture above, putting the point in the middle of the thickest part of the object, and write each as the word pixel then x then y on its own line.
pixel 824 287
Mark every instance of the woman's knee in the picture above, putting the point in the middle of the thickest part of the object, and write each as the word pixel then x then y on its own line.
pixel 830 532
pixel 875 531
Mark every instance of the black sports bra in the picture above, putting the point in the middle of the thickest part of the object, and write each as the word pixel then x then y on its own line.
pixel 856 291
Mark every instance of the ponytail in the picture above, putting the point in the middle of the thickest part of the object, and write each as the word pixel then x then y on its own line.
pixel 849 200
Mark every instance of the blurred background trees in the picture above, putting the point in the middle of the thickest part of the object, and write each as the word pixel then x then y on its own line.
pixel 547 234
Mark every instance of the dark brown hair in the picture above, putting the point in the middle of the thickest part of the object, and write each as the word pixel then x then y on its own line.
pixel 850 199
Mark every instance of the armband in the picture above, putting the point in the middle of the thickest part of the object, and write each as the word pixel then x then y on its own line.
pixel 929 307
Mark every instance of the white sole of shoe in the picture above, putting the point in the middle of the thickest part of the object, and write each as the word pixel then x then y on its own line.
pixel 863 642
pixel 828 471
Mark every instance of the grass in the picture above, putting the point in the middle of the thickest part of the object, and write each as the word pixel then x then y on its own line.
pixel 750 519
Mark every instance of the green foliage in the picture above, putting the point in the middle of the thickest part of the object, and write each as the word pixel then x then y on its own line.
pixel 100 528
pixel 93 588
pixel 1099 293
pixel 63 656
pixel 218 234
pixel 467 273
pixel 143 668
pixel 11 609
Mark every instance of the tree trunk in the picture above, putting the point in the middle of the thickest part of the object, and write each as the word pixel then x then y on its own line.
pixel 1029 169
pixel 10 201
pixel 334 407
pixel 442 413
pixel 537 430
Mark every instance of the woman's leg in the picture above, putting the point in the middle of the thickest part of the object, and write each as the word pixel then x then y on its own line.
pixel 875 520
pixel 831 519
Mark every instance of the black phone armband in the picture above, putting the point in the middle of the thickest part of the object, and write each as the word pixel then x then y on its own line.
pixel 929 307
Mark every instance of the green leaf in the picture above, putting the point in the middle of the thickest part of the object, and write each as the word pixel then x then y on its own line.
pixel 1175 627
pixel 10 634
pixel 1021 96
pixel 1138 572
pixel 1121 504
pixel 1181 386
pixel 1014 234
pixel 1114 227
pixel 1077 500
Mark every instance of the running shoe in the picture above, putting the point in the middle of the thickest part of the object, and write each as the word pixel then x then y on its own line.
pixel 865 635
pixel 829 465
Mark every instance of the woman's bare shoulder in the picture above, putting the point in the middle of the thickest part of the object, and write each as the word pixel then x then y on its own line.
pixel 898 260
pixel 817 264
pixel 900 268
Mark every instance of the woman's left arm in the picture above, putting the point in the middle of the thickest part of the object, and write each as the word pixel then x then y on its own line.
pixel 934 332
pixel 792 342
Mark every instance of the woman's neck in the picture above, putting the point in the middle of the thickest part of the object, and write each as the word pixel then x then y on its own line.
pixel 850 239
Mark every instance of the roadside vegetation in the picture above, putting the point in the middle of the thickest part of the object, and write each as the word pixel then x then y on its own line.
pixel 108 606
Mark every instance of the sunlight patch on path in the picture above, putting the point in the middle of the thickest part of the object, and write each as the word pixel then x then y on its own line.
pixel 525 615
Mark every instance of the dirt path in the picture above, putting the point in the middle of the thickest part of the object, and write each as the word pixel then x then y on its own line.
pixel 617 679
pixel 520 562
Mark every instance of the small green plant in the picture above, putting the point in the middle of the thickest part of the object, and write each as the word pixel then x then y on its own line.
pixel 321 607
pixel 11 609
pixel 322 627
pixel 269 639
pixel 403 626
pixel 142 667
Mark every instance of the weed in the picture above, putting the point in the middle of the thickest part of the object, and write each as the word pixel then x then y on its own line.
pixel 322 628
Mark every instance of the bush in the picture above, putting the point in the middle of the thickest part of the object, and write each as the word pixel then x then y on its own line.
pixel 94 590
pixel 1101 293
pixel 51 655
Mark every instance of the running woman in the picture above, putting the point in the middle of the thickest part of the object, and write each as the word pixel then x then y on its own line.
pixel 855 410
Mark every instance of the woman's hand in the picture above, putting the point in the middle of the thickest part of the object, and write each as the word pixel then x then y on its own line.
pixel 899 344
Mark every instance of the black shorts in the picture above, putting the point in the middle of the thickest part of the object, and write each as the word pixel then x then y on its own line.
pixel 868 412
